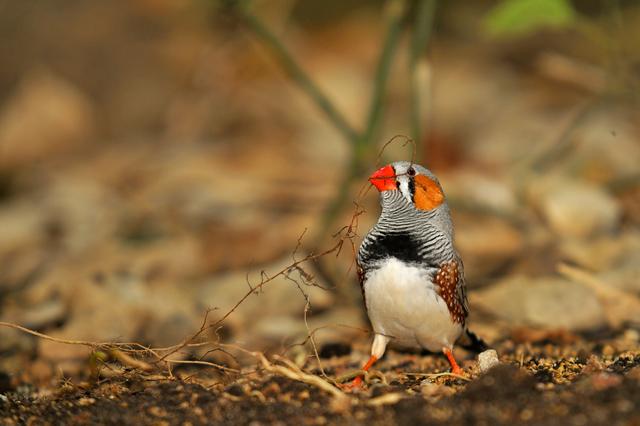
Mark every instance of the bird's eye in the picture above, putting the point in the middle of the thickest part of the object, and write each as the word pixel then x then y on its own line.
pixel 411 171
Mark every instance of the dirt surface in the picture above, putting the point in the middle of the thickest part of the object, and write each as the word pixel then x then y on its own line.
pixel 545 383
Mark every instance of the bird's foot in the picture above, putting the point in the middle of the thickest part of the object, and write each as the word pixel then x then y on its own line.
pixel 354 385
pixel 357 382
pixel 455 368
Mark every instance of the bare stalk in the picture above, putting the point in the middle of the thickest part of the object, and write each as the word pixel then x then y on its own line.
pixel 420 37
pixel 297 74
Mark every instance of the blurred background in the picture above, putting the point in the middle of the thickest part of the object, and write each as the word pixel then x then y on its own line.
pixel 156 156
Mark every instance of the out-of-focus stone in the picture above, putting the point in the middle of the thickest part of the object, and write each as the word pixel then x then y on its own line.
pixel 279 298
pixel 277 328
pixel 576 209
pixel 483 191
pixel 485 243
pixel 605 253
pixel 41 316
pixel 21 225
pixel 84 211
pixel 487 360
pixel 543 302
pixel 46 116
pixel 608 145
pixel 118 306
pixel 625 275
pixel 20 266
pixel 12 340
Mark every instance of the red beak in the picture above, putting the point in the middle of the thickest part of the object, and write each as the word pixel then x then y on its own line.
pixel 384 179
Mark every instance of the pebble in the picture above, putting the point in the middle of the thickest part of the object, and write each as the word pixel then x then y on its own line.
pixel 563 206
pixel 45 116
pixel 487 360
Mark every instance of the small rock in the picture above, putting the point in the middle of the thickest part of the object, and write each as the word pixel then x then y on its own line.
pixel 625 275
pixel 46 116
pixel 85 211
pixel 277 328
pixel 43 315
pixel 84 401
pixel 576 209
pixel 631 335
pixel 489 192
pixel 604 253
pixel 279 299
pixel 603 152
pixel 487 360
pixel 547 302
pixel 486 244
pixel 12 340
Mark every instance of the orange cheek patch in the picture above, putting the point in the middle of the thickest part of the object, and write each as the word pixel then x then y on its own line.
pixel 428 195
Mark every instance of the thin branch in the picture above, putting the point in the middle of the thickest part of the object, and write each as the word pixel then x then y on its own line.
pixel 293 372
pixel 92 345
pixel 559 149
pixel 123 352
pixel 297 74
pixel 436 375
pixel 206 363
pixel 362 149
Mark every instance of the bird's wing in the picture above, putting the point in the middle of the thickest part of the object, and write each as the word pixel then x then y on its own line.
pixel 462 288
pixel 360 272
pixel 449 280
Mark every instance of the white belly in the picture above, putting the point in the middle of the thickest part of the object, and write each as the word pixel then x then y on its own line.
pixel 403 305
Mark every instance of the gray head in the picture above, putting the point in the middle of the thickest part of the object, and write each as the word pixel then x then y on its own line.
pixel 411 197
pixel 417 184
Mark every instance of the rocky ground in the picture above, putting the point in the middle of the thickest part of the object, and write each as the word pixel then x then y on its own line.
pixel 549 382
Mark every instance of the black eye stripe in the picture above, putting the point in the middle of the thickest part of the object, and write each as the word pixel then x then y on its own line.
pixel 412 187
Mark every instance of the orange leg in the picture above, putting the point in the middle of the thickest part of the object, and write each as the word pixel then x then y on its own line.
pixel 357 382
pixel 455 368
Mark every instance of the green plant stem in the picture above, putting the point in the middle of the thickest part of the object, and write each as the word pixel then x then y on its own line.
pixel 376 106
pixel 421 35
pixel 298 75
pixel 362 150
pixel 361 142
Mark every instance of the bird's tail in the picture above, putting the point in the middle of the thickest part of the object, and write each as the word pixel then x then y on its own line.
pixel 472 342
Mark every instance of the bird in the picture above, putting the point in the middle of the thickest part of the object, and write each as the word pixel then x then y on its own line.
pixel 410 273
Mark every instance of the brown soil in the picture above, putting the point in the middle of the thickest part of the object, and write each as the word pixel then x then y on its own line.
pixel 545 383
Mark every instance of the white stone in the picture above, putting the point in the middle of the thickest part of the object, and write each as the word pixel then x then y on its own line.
pixel 487 360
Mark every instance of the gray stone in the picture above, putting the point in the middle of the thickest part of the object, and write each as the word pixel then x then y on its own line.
pixel 576 209
pixel 487 360
pixel 542 302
